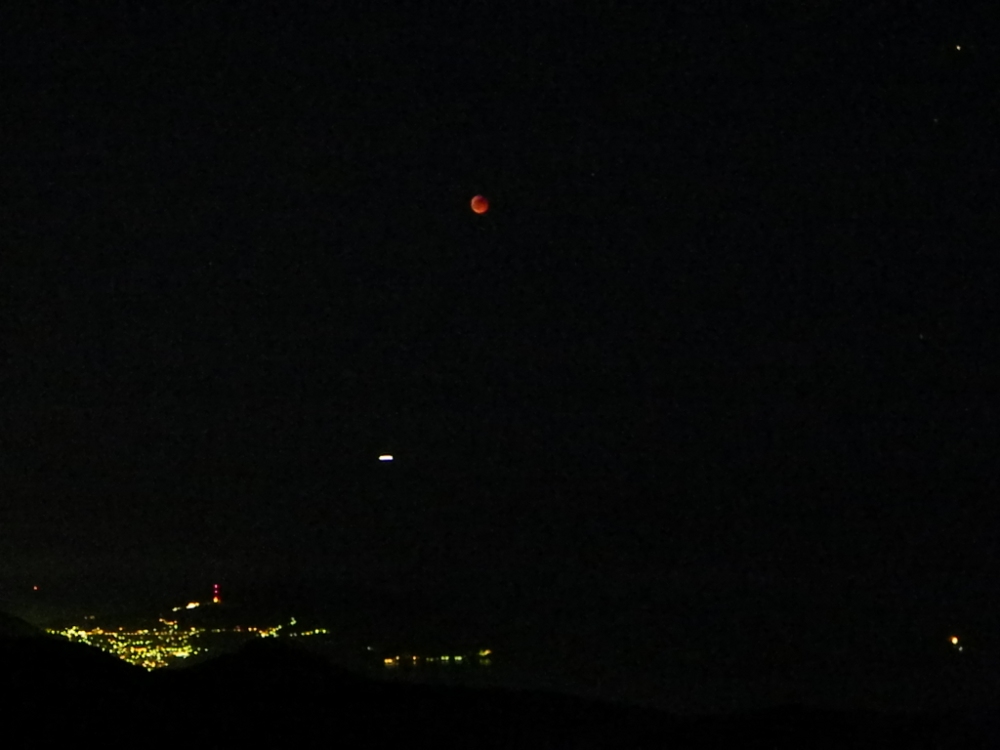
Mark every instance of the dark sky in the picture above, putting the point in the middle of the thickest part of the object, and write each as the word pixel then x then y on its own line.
pixel 722 334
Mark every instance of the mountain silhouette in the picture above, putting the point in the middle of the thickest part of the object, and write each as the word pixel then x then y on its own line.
pixel 15 627
pixel 272 692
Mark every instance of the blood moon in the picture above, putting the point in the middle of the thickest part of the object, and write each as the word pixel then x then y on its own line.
pixel 479 204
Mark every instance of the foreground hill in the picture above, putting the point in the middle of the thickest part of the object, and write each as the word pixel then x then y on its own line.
pixel 15 627
pixel 270 692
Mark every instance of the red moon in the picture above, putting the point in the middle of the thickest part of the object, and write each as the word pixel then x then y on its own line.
pixel 480 205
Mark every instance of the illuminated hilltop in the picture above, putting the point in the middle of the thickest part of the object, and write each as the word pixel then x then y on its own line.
pixel 190 630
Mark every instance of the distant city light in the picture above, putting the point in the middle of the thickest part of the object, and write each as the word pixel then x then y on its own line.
pixel 159 645
pixel 415 660
pixel 954 640
pixel 216 597
pixel 268 632
pixel 385 457
pixel 192 605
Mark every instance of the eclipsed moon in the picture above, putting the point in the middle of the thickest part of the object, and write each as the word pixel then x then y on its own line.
pixel 480 205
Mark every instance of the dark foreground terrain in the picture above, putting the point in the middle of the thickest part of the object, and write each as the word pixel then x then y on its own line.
pixel 269 694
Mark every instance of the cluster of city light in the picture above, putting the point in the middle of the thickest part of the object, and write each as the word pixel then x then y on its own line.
pixel 160 646
pixel 315 631
pixel 267 632
pixel 414 659
pixel 151 648
pixel 163 644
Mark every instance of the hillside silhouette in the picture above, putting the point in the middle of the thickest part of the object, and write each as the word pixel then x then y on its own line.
pixel 274 692
pixel 15 627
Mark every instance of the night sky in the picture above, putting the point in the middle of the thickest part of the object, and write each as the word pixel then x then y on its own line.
pixel 717 361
